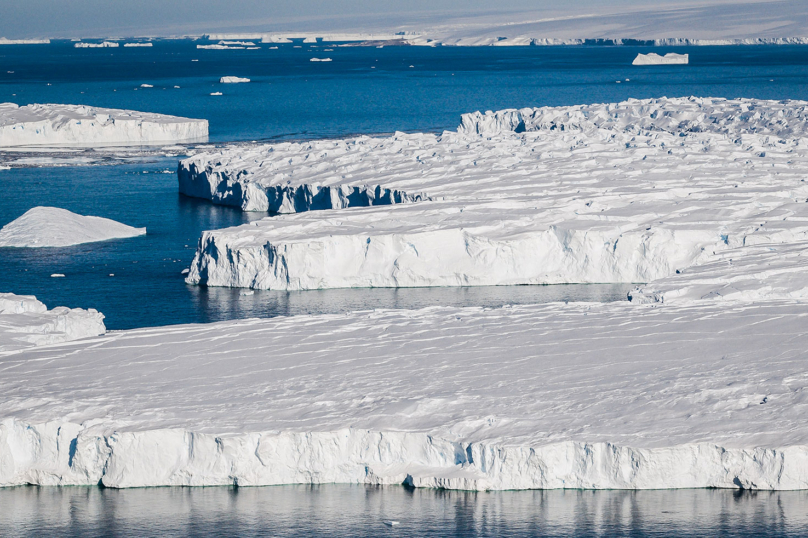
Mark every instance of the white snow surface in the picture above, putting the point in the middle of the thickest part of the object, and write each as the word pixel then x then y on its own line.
pixel 581 395
pixel 233 80
pixel 627 192
pixel 79 125
pixel 26 322
pixel 55 227
pixel 655 59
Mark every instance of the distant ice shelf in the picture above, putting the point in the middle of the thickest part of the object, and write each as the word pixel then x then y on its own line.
pixel 54 227
pixel 26 322
pixel 79 125
pixel 655 59
pixel 4 41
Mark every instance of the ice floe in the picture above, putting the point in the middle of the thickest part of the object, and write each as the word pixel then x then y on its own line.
pixel 655 59
pixel 627 192
pixel 549 396
pixel 233 80
pixel 102 45
pixel 26 322
pixel 55 227
pixel 138 44
pixel 79 125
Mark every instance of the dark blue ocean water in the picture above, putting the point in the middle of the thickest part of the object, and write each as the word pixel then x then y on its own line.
pixel 363 90
pixel 358 511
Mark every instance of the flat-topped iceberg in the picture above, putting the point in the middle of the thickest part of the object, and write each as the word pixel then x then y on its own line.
pixel 55 227
pixel 233 80
pixel 102 45
pixel 655 59
pixel 630 192
pixel 551 396
pixel 78 125
pixel 26 322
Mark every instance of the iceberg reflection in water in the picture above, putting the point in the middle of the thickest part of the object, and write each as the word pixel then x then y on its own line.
pixel 362 511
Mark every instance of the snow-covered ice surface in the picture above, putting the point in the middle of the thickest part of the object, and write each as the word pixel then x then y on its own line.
pixel 55 227
pixel 26 322
pixel 655 59
pixel 78 125
pixel 579 396
pixel 627 192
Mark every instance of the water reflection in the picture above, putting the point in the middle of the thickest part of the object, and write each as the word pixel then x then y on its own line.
pixel 361 511
pixel 226 303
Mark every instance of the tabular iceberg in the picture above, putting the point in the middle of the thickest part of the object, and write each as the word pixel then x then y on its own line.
pixel 233 80
pixel 55 227
pixel 103 45
pixel 550 396
pixel 629 192
pixel 655 59
pixel 26 322
pixel 78 125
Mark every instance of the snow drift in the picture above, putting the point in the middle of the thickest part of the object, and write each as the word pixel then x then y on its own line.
pixel 78 125
pixel 55 227
pixel 26 322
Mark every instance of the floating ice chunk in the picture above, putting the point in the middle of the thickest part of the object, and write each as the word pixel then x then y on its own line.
pixel 655 59
pixel 146 86
pixel 218 47
pixel 237 43
pixel 78 125
pixel 391 523
pixel 137 44
pixel 246 292
pixel 233 80
pixel 320 60
pixel 57 275
pixel 54 227
pixel 103 45
pixel 216 93
pixel 26 322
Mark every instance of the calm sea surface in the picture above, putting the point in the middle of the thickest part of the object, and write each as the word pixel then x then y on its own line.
pixel 344 510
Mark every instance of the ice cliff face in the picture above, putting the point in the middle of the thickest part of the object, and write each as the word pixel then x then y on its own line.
pixel 730 117
pixel 55 227
pixel 26 322
pixel 77 125
pixel 655 59
pixel 630 192
pixel 546 396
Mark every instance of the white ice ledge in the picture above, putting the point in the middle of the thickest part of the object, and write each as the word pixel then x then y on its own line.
pixel 78 125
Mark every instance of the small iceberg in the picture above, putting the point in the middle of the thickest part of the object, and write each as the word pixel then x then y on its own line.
pixel 137 45
pixel 655 59
pixel 233 80
pixel 146 86
pixel 104 45
pixel 320 60
pixel 216 93
pixel 55 227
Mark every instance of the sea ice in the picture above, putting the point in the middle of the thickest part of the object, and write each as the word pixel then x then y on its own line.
pixel 558 395
pixel 320 60
pixel 78 125
pixel 26 322
pixel 628 192
pixel 655 59
pixel 54 227
pixel 233 80
pixel 137 44
pixel 103 45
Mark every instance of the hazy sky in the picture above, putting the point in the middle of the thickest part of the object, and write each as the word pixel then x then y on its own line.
pixel 88 18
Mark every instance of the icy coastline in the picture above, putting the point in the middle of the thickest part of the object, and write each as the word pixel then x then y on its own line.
pixel 55 227
pixel 625 192
pixel 695 395
pixel 26 322
pixel 78 125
